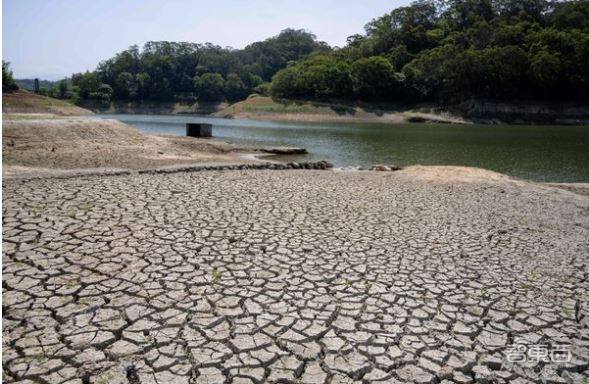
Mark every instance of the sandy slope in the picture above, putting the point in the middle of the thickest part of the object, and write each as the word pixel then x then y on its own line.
pixel 75 143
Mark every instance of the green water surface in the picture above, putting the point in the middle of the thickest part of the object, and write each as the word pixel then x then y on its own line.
pixel 541 153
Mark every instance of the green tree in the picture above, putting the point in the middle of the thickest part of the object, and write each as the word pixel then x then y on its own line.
pixel 506 70
pixel 570 15
pixel 125 86
pixel 327 77
pixel 8 83
pixel 103 94
pixel 87 83
pixel 546 69
pixel 290 83
pixel 62 90
pixel 143 81
pixel 375 77
pixel 453 50
pixel 431 50
pixel 264 89
pixel 210 87
pixel 235 89
pixel 164 70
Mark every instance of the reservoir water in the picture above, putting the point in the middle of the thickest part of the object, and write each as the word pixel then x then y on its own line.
pixel 541 153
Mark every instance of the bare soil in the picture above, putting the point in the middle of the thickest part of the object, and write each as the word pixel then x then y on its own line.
pixel 293 276
pixel 82 143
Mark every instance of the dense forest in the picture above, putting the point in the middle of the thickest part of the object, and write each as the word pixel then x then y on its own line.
pixel 189 71
pixel 443 51
pixel 448 51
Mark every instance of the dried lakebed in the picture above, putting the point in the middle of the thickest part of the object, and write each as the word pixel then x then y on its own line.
pixel 292 276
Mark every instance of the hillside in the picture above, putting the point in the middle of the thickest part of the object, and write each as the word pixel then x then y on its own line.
pixel 25 102
pixel 264 108
pixel 447 52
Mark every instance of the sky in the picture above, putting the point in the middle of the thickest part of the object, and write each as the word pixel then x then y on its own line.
pixel 51 39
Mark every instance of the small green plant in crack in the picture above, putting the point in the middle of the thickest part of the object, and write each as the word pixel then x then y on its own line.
pixel 526 287
pixel 84 302
pixel 484 293
pixel 38 208
pixel 216 275
pixel 534 276
pixel 104 378
pixel 87 206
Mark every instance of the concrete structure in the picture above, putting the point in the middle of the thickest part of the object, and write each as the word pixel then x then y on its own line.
pixel 199 130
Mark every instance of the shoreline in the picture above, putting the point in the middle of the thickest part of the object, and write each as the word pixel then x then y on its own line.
pixel 390 118
pixel 257 107
pixel 43 142
pixel 256 161
pixel 80 146
pixel 264 108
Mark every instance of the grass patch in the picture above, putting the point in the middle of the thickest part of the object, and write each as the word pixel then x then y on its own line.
pixel 284 108
pixel 87 206
pixel 216 275
pixel 27 102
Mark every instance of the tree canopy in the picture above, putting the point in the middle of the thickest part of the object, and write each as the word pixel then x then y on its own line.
pixel 432 50
pixel 166 71
pixel 453 50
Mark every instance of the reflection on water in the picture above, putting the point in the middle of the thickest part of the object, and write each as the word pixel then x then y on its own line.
pixel 543 153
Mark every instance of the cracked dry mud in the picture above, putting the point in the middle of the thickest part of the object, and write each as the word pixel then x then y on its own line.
pixel 291 276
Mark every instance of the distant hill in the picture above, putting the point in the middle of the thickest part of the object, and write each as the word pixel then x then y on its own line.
pixel 23 101
pixel 29 84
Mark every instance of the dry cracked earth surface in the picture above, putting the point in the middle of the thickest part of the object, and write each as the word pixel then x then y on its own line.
pixel 293 276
